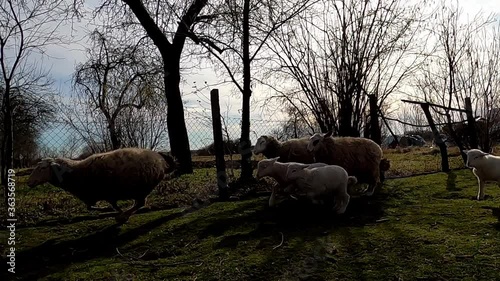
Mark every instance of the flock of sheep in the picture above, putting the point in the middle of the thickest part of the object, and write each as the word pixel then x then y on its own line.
pixel 321 168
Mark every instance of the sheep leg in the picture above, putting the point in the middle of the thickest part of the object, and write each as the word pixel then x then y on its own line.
pixel 480 193
pixel 374 183
pixel 124 216
pixel 341 203
pixel 372 187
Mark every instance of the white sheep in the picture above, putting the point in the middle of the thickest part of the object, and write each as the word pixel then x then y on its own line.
pixel 320 184
pixel 277 170
pixel 293 150
pixel 122 174
pixel 485 166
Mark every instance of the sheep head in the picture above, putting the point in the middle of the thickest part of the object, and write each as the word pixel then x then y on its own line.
pixel 294 171
pixel 261 144
pixel 47 170
pixel 265 167
pixel 42 173
pixel 474 157
pixel 316 140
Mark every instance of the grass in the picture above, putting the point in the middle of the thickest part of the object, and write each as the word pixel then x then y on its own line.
pixel 417 228
pixel 426 227
pixel 419 160
pixel 47 203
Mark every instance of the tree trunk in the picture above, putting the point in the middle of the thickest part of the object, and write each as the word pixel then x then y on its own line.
pixel 177 132
pixel 374 124
pixel 171 53
pixel 457 140
pixel 445 166
pixel 471 124
pixel 115 139
pixel 245 144
pixel 345 128
pixel 366 130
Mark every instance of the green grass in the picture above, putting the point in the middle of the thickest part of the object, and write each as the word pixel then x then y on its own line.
pixel 419 228
pixel 419 160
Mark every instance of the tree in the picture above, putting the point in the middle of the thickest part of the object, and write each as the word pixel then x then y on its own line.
pixel 27 28
pixel 116 78
pixel 344 52
pixel 185 15
pixel 31 114
pixel 450 76
pixel 235 35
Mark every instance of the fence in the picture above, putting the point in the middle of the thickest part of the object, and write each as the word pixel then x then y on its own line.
pixel 61 139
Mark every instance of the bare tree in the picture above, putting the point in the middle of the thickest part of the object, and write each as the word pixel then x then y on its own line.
pixel 344 52
pixel 146 127
pixel 115 78
pixel 27 28
pixel 236 35
pixel 448 77
pixel 478 79
pixel 158 19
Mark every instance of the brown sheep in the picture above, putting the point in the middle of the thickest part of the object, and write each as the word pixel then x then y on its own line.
pixel 293 150
pixel 122 174
pixel 360 157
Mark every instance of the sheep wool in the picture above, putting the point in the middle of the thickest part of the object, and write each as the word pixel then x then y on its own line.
pixel 323 184
pixel 360 157
pixel 277 170
pixel 486 168
pixel 122 174
pixel 293 150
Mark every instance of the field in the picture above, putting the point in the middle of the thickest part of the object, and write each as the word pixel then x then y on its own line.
pixel 426 227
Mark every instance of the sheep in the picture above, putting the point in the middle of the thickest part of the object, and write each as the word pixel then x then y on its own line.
pixel 277 170
pixel 360 157
pixel 293 150
pixel 323 183
pixel 485 166
pixel 122 174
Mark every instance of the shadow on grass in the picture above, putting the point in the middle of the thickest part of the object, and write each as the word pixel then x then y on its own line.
pixel 107 212
pixel 495 212
pixel 53 256
pixel 450 182
pixel 295 217
pixel 307 225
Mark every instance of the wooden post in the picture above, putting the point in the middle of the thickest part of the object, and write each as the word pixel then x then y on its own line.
pixel 220 163
pixel 374 124
pixel 445 167
pixel 471 124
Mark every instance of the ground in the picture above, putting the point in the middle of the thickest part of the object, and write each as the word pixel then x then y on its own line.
pixel 426 227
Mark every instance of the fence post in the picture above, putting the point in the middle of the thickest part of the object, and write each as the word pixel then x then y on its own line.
pixel 220 163
pixel 471 124
pixel 445 165
pixel 374 124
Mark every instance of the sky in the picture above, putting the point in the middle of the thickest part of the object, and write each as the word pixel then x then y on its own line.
pixel 61 60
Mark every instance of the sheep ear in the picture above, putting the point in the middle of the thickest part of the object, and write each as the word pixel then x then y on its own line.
pixel 328 134
pixel 465 151
pixel 274 159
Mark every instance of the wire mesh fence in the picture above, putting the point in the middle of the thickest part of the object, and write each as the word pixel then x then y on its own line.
pixel 62 139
